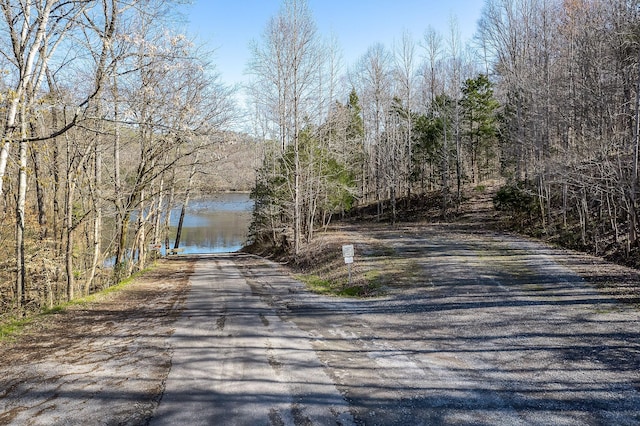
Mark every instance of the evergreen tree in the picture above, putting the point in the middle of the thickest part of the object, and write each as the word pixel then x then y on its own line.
pixel 479 109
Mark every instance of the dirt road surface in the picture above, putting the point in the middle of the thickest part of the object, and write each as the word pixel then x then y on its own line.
pixel 491 330
pixel 235 361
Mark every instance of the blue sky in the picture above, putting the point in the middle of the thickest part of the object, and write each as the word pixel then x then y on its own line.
pixel 229 25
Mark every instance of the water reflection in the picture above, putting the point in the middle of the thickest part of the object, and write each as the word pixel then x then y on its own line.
pixel 214 225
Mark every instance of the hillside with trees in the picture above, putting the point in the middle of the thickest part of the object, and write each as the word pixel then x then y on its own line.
pixel 108 119
pixel 229 164
pixel 545 99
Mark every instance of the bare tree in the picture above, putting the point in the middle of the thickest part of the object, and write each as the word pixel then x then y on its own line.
pixel 405 56
pixel 285 67
pixel 372 78
pixel 36 31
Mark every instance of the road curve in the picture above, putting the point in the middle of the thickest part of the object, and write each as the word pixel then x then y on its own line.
pixel 495 330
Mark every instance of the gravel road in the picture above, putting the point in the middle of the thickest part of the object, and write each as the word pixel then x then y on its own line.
pixel 236 362
pixel 493 330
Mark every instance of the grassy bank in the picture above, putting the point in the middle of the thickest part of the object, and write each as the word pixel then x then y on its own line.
pixel 377 267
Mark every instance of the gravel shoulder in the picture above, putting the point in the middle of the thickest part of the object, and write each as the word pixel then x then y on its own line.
pixel 102 363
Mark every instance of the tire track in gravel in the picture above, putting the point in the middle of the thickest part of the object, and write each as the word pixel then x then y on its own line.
pixel 257 368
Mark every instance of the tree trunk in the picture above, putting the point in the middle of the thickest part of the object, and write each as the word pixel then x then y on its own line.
pixel 297 196
pixel 633 204
pixel 69 247
pixel 167 215
pixel 445 166
pixel 20 220
pixel 183 211
pixel 158 212
pixel 122 217
pixel 69 195
pixel 141 233
pixel 37 174
pixel 187 195
pixel 97 223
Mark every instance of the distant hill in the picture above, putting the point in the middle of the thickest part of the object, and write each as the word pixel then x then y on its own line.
pixel 230 164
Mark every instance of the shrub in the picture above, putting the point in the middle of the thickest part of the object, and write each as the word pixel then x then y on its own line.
pixel 514 199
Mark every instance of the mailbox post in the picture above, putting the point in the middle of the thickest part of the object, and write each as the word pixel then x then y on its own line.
pixel 348 253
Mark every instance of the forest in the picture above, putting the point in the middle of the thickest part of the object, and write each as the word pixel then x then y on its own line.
pixel 110 120
pixel 545 100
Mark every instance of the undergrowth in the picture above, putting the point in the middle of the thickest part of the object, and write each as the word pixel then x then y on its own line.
pixel 13 326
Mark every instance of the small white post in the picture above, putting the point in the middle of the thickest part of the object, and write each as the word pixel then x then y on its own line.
pixel 348 253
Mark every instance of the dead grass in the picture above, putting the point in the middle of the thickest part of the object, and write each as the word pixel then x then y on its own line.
pixel 377 266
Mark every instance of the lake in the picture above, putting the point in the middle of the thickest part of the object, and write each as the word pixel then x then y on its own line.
pixel 216 224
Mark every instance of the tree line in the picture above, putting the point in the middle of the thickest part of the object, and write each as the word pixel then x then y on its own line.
pixel 545 98
pixel 107 116
pixel 398 122
pixel 570 84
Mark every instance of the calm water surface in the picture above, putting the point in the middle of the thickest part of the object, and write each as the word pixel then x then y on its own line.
pixel 217 224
